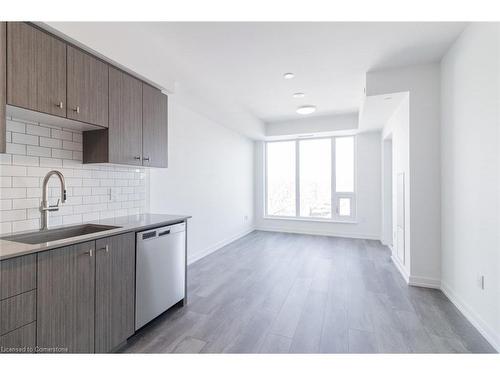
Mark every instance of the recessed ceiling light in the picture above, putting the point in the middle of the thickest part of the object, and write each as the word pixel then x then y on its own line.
pixel 299 95
pixel 306 109
pixel 288 75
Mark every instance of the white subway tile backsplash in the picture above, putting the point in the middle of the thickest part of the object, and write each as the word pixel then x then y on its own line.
pixel 19 226
pixel 89 199
pixel 77 137
pixel 37 130
pixel 50 162
pixel 5 181
pixel 29 161
pixel 90 182
pixel 5 159
pixel 55 221
pixel 82 191
pixel 73 146
pixel 38 151
pixel 5 228
pixel 34 192
pixel 72 219
pixel 90 216
pixel 14 126
pixel 11 215
pixel 25 203
pixel 17 149
pixel 25 139
pixel 94 191
pixel 62 154
pixel 62 134
pixel 5 204
pixel 25 182
pixel 77 155
pixel 100 191
pixel 12 170
pixel 50 142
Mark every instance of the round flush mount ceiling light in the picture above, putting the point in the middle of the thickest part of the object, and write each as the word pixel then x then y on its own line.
pixel 306 109
pixel 288 75
pixel 298 95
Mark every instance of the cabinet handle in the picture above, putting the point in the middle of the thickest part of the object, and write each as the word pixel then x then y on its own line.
pixel 60 105
pixel 147 159
pixel 137 158
pixel 105 248
pixel 90 252
pixel 77 109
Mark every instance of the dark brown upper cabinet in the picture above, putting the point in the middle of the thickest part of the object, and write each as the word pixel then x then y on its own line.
pixel 121 143
pixel 125 118
pixel 3 85
pixel 154 127
pixel 36 70
pixel 87 88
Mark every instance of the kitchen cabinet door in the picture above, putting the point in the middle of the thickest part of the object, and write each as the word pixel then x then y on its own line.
pixel 87 88
pixel 154 127
pixel 3 85
pixel 125 118
pixel 36 69
pixel 115 291
pixel 65 298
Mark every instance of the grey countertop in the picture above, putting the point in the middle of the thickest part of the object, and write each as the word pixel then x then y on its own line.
pixel 134 223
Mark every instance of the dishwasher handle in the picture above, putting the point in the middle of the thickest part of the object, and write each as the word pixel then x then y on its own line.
pixel 164 233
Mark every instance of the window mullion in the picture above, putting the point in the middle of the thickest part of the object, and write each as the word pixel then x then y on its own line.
pixel 297 179
pixel 333 195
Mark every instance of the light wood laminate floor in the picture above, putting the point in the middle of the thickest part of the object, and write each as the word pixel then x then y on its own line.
pixel 288 293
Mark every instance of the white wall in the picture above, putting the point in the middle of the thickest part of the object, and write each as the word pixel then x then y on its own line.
pixel 470 146
pixel 368 196
pixel 423 84
pixel 398 128
pixel 210 176
pixel 311 125
pixel 386 235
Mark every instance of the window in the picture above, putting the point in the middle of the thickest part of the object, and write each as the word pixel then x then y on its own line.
pixel 311 178
pixel 315 178
pixel 281 178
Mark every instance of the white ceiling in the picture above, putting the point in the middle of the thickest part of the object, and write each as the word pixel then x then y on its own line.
pixel 246 60
pixel 239 66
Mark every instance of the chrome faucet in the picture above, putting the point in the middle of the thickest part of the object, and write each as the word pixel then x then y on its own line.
pixel 45 207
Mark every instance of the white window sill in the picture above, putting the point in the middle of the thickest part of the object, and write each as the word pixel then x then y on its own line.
pixel 332 221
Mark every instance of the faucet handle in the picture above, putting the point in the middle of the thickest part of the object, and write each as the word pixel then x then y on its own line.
pixel 55 207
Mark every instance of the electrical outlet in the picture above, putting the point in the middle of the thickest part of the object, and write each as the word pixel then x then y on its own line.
pixel 480 281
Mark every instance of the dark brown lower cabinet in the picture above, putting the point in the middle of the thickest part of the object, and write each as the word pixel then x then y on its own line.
pixel 85 298
pixel 65 299
pixel 115 291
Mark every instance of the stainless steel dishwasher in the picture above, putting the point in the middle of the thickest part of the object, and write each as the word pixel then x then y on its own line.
pixel 160 271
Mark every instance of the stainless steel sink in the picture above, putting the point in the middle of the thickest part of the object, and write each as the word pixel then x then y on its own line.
pixel 49 235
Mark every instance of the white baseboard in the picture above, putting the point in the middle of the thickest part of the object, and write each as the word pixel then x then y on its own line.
pixel 203 253
pixel 425 282
pixel 488 333
pixel 400 268
pixel 319 233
